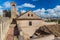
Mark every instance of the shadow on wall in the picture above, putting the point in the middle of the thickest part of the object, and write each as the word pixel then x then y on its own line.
pixel 16 31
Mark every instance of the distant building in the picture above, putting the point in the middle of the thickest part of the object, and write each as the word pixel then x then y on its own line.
pixel 6 13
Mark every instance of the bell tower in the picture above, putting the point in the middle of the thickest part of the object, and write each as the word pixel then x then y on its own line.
pixel 13 10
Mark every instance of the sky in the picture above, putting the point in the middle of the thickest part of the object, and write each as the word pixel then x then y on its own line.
pixel 43 8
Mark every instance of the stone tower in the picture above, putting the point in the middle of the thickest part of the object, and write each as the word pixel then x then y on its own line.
pixel 13 10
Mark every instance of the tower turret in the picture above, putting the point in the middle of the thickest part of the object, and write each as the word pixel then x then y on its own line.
pixel 13 10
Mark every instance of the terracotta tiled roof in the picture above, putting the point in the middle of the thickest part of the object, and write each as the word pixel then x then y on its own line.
pixel 48 30
pixel 55 29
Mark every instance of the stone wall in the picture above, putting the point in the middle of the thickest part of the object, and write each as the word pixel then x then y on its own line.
pixel 29 30
pixel 25 23
pixel 0 30
pixel 5 23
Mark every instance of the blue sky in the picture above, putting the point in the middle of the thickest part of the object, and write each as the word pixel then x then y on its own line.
pixel 44 8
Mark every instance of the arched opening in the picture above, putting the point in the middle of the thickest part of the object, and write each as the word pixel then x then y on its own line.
pixel 32 15
pixel 28 14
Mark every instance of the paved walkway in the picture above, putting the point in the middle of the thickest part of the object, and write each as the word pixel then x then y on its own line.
pixel 9 35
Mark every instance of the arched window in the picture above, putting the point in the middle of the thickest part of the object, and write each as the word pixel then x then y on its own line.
pixel 30 23
pixel 32 15
pixel 28 14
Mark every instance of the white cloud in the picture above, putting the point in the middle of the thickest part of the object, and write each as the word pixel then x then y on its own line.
pixel 55 12
pixel 1 12
pixel 26 5
pixel 57 7
pixel 23 11
pixel 1 7
pixel 50 10
pixel 51 13
pixel 6 4
pixel 40 12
